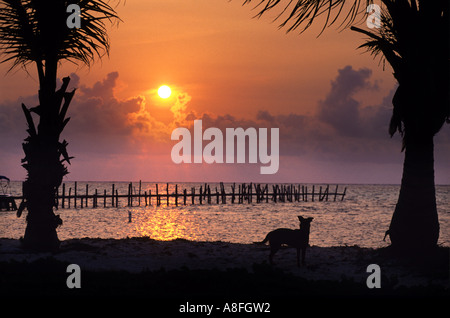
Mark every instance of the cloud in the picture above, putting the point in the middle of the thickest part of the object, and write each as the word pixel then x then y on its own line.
pixel 101 123
pixel 340 109
pixel 107 134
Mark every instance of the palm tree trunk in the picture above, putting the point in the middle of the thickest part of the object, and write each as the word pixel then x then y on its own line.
pixel 415 222
pixel 45 173
pixel 45 168
pixel 39 191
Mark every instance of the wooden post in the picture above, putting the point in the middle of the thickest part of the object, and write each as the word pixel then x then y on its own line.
pixel 233 187
pixel 63 195
pixel 117 198
pixel 157 196
pixel 176 194
pixel 87 192
pixel 193 195
pixel 343 194
pixel 104 198
pixel 81 201
pixel 313 194
pixel 139 193
pixel 239 193
pixel 75 196
pixel 167 194
pixel 112 195
pixel 129 195
pixel 68 199
pixel 184 196
pixel 201 195
pixel 209 194
pixel 263 192
pixel 95 199
pixel 335 193
pixel 222 191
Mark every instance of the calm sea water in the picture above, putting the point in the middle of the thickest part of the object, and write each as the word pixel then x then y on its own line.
pixel 361 219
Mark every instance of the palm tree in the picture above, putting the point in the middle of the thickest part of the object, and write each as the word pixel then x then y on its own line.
pixel 414 39
pixel 35 31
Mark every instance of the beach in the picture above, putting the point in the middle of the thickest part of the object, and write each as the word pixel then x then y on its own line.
pixel 186 269
pixel 206 251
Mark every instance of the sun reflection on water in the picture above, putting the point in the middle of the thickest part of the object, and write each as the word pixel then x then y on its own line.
pixel 362 218
pixel 165 224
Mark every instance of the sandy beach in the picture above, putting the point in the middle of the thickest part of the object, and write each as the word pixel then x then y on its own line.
pixel 139 257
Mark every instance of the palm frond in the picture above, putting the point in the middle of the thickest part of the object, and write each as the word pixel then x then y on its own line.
pixel 36 31
pixel 17 40
pixel 304 12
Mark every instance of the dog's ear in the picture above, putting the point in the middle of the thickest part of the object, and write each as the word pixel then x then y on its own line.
pixel 300 218
pixel 310 219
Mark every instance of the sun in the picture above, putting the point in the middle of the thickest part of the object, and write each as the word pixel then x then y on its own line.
pixel 164 91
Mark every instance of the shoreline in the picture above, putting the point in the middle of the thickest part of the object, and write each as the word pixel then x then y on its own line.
pixel 329 271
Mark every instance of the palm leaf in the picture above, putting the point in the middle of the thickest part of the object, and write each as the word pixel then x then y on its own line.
pixel 304 12
pixel 31 128
pixel 36 30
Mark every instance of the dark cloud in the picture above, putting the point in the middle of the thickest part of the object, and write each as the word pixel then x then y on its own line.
pixel 340 109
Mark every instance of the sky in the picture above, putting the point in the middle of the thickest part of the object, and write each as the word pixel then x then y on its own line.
pixel 330 101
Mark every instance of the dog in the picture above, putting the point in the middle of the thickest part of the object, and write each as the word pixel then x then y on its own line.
pixel 293 238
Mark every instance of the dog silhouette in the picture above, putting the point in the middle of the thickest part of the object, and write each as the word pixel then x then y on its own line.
pixel 293 238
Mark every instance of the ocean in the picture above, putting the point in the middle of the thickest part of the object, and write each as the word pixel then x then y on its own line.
pixel 360 219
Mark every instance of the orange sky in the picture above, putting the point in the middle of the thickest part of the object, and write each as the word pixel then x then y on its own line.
pixel 217 52
pixel 224 63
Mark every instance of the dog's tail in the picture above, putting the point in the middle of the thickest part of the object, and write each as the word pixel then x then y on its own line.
pixel 263 241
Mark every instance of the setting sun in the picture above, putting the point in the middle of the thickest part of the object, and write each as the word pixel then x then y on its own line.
pixel 164 91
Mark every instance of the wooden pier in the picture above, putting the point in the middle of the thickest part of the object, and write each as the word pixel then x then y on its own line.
pixel 84 197
pixel 205 194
